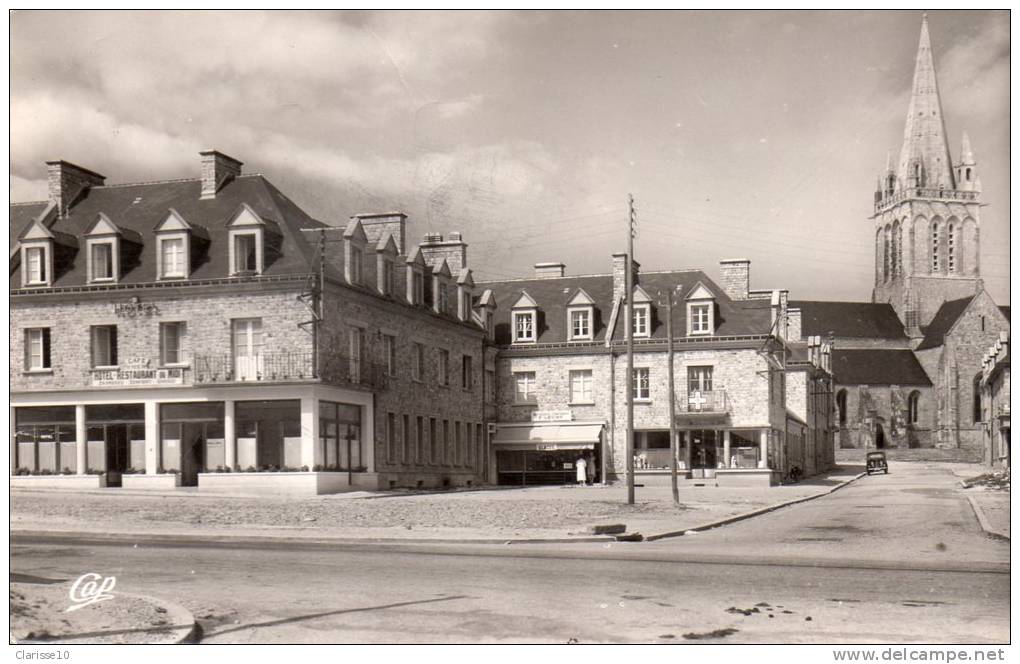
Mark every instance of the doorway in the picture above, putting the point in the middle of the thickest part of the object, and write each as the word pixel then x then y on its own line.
pixel 879 436
pixel 117 453
pixel 704 452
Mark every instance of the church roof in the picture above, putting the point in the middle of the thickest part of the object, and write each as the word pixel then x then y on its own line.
pixel 868 320
pixel 1005 311
pixel 943 321
pixel 877 366
pixel 924 136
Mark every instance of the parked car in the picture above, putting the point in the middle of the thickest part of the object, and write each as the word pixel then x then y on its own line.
pixel 875 462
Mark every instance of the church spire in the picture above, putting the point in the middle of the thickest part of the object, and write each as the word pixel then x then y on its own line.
pixel 924 159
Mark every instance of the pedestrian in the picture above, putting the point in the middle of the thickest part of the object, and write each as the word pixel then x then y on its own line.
pixel 590 464
pixel 582 470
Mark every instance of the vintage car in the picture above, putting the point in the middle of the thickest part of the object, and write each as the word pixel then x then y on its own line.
pixel 875 463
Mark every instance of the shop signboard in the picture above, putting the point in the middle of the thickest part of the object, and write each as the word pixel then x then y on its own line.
pixel 552 416
pixel 137 377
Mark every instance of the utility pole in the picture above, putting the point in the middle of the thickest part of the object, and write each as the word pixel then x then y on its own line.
pixel 672 398
pixel 629 329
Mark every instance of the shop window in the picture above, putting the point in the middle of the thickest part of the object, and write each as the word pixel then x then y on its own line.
pixel 44 440
pixel 37 349
pixel 581 391
pixel 104 346
pixel 36 262
pixel 170 337
pixel 640 384
pixel 467 373
pixel 524 387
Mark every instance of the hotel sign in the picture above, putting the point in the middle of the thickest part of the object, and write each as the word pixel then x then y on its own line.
pixel 137 377
pixel 135 308
pixel 552 416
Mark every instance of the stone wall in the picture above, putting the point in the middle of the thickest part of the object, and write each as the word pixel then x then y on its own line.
pixel 857 434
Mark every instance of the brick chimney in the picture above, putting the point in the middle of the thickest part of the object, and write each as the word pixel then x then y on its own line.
pixel 793 324
pixel 217 170
pixel 67 181
pixel 378 225
pixel 736 277
pixel 620 274
pixel 434 249
pixel 550 270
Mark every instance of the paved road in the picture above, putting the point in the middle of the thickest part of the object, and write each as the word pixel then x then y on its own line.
pixel 649 592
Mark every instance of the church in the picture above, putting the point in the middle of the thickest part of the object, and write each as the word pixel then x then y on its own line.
pixel 908 364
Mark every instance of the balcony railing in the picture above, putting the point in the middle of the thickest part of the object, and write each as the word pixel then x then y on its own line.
pixel 926 192
pixel 707 401
pixel 286 367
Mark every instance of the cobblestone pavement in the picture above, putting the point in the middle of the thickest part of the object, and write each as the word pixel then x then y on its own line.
pixel 531 512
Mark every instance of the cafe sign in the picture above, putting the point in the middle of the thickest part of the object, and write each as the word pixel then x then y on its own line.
pixel 552 416
pixel 137 377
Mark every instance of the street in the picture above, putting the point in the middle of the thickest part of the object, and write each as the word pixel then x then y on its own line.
pixel 896 558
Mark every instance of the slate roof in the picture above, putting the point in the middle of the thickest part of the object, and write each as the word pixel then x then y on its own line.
pixel 877 366
pixel 733 318
pixel 944 319
pixel 22 215
pixel 140 207
pixel 868 320
pixel 1005 311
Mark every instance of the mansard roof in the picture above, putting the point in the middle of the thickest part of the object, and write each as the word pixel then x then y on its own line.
pixel 854 320
pixel 21 215
pixel 877 366
pixel 138 209
pixel 945 318
pixel 733 318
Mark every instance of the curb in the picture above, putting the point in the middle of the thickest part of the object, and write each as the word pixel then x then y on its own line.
pixel 983 520
pixel 747 515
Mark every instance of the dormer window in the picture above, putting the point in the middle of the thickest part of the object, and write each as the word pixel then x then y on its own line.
pixel 441 287
pixel 385 254
pixel 247 243
pixel 415 278
pixel 443 301
pixel 641 319
pixel 246 254
pixel 465 286
pixel 105 249
pixel 171 258
pixel 419 288
pixel 580 317
pixel 355 241
pixel 524 319
pixel 700 311
pixel 36 262
pixel 357 267
pixel 101 261
pixel 176 239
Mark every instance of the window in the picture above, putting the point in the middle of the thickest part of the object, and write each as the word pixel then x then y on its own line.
pixel 640 385
pixel 386 279
pixel 580 323
pixel 171 252
pixel 419 438
pixel 841 406
pixel 35 264
pixel 976 398
pixel 935 247
pixel 357 265
pixel 443 366
pixel 640 328
pixel 355 343
pixel 464 304
pixel 701 318
pixel 390 354
pixel 581 387
pixel 419 287
pixel 951 244
pixel 405 452
pixel 418 362
pixel 490 385
pixel 912 407
pixel 524 326
pixel 245 253
pixel 458 442
pixel 104 346
pixel 524 387
pixel 443 305
pixel 467 373
pixel 445 452
pixel 391 437
pixel 699 379
pixel 433 441
pixel 170 343
pixel 37 349
pixel 101 260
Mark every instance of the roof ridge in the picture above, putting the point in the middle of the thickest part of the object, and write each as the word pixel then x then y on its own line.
pixel 168 181
pixel 588 276
pixel 26 203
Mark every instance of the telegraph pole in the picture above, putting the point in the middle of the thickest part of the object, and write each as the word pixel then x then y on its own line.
pixel 672 398
pixel 629 329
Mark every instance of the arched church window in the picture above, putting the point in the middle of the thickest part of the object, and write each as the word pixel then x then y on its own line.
pixel 895 245
pixel 951 246
pixel 935 247
pixel 968 175
pixel 887 257
pixel 841 406
pixel 976 398
pixel 913 401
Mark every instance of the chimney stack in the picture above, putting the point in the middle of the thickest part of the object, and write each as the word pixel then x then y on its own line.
pixel 550 270
pixel 736 277
pixel 217 170
pixel 67 181
pixel 620 274
pixel 434 249
pixel 793 324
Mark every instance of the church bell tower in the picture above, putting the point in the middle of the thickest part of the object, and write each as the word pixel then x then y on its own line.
pixel 927 210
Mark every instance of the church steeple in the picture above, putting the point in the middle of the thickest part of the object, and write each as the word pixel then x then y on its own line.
pixel 924 159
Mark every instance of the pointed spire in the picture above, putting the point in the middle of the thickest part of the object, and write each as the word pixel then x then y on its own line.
pixel 966 154
pixel 888 161
pixel 924 159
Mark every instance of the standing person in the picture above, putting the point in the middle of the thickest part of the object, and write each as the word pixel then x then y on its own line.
pixel 590 464
pixel 582 470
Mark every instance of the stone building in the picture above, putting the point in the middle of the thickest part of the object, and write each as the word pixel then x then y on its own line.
pixel 908 364
pixel 562 378
pixel 995 403
pixel 208 331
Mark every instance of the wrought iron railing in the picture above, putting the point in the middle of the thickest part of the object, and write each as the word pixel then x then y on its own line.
pixel 287 366
pixel 707 401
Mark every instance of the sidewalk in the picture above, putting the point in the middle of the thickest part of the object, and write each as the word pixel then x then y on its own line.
pixel 538 513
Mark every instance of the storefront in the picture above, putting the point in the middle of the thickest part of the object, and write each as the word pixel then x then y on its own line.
pixel 115 435
pixel 546 453
pixel 191 439
pixel 45 440
pixel 711 450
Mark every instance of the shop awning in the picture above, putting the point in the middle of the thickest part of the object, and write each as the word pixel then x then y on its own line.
pixel 548 437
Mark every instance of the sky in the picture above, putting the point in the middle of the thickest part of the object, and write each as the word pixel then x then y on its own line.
pixel 739 133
